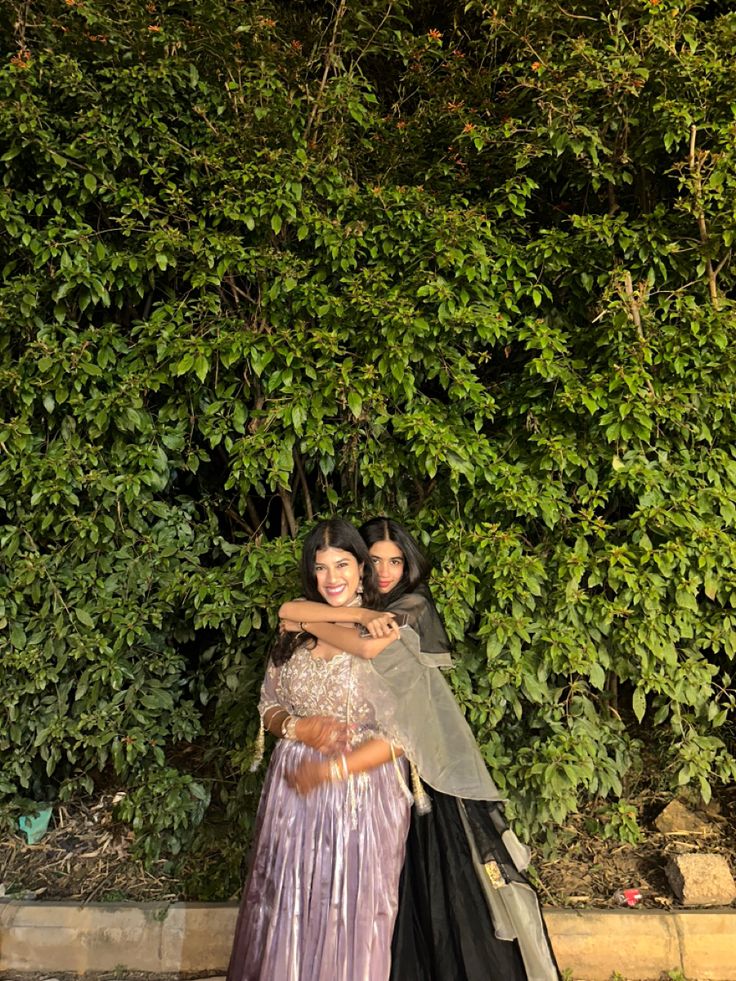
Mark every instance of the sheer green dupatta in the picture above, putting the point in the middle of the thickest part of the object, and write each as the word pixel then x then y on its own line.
pixel 416 708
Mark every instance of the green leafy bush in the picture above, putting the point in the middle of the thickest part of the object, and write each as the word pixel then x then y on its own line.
pixel 473 267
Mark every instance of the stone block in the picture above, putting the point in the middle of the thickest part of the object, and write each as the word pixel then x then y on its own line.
pixel 198 937
pixel 595 944
pixel 708 944
pixel 677 819
pixel 68 937
pixel 700 879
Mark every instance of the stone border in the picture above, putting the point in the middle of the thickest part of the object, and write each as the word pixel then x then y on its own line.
pixel 191 938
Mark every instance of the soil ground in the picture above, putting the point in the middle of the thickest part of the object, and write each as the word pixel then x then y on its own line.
pixel 590 867
pixel 86 856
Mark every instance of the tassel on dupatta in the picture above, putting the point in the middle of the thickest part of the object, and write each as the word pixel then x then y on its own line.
pixel 421 799
pixel 259 748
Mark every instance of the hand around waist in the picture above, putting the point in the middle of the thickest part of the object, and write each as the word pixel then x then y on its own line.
pixel 324 733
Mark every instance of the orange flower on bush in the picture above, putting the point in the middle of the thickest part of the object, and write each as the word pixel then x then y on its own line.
pixel 434 34
pixel 536 65
pixel 22 59
pixel 154 28
pixel 468 128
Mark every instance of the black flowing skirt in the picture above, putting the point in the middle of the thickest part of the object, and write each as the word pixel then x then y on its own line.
pixel 444 930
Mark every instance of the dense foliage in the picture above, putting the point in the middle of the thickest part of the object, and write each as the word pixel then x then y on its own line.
pixel 468 264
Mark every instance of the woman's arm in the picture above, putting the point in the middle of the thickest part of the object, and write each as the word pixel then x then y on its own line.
pixel 274 719
pixel 295 613
pixel 300 610
pixel 321 732
pixel 368 756
pixel 349 640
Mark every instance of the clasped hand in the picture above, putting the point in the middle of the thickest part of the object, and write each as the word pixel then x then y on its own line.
pixel 328 736
pixel 381 625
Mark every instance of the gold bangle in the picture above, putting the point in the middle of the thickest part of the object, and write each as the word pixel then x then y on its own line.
pixel 338 769
pixel 288 728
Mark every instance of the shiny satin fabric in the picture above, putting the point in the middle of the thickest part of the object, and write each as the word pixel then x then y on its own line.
pixel 322 895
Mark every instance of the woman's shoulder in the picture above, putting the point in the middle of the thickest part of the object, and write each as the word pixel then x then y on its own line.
pixel 420 613
pixel 412 605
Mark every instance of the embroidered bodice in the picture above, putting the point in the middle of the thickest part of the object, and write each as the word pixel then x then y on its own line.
pixel 307 685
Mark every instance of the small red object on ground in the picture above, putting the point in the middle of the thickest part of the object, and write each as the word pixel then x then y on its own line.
pixel 627 897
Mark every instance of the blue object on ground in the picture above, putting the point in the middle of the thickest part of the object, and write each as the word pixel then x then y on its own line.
pixel 34 826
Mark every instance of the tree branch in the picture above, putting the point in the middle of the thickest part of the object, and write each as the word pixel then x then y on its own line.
pixel 287 512
pixel 237 520
pixel 328 65
pixel 697 176
pixel 303 483
pixel 635 304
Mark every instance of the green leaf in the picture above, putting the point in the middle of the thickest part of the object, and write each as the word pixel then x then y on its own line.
pixel 355 403
pixel 201 367
pixel 597 676
pixel 83 616
pixel 18 636
pixel 639 703
pixel 184 365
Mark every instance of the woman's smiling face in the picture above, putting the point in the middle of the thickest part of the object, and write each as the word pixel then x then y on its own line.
pixel 338 574
pixel 388 561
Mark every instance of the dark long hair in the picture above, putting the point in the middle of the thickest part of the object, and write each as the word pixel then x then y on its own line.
pixel 333 533
pixel 416 565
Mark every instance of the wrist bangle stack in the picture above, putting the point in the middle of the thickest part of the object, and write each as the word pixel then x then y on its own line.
pixel 288 729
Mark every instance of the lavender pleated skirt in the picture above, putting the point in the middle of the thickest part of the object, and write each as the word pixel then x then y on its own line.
pixel 322 894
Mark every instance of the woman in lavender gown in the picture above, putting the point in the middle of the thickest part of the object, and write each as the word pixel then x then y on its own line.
pixel 322 894
pixel 467 911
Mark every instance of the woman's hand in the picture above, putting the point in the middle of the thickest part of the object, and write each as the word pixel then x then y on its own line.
pixel 323 733
pixel 308 776
pixel 381 625
pixel 290 627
